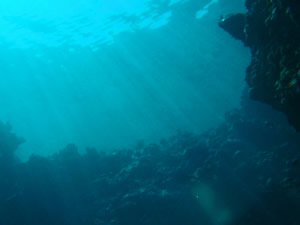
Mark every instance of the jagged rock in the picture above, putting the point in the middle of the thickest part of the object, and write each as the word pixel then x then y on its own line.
pixel 9 142
pixel 235 25
pixel 271 28
pixel 187 179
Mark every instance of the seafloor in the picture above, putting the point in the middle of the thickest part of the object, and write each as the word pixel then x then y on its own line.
pixel 244 172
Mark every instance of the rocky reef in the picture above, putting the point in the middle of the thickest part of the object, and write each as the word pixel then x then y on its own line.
pixel 244 172
pixel 271 28
pixel 9 143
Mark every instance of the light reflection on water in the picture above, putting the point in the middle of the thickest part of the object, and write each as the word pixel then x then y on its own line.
pixel 70 76
pixel 84 23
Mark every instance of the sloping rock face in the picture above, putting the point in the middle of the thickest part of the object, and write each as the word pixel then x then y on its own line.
pixel 244 172
pixel 271 28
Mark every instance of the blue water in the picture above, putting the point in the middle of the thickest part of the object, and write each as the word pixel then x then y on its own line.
pixel 136 113
pixel 107 74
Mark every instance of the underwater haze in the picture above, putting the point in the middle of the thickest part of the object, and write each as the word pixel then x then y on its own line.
pixel 137 112
pixel 107 74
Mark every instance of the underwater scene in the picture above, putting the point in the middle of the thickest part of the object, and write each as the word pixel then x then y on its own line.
pixel 150 112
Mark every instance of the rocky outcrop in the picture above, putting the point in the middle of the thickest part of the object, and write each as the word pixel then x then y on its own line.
pixel 271 28
pixel 9 143
pixel 184 179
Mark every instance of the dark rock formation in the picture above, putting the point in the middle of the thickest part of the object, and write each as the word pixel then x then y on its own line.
pixel 9 143
pixel 271 28
pixel 244 172
pixel 235 25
